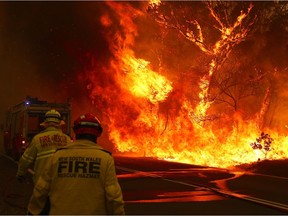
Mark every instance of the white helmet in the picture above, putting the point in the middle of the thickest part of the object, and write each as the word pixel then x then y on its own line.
pixel 52 116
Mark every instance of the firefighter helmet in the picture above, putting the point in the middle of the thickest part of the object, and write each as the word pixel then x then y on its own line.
pixel 87 124
pixel 52 116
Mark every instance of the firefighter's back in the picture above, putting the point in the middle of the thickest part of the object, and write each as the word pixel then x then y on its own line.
pixel 46 143
pixel 43 145
pixel 82 172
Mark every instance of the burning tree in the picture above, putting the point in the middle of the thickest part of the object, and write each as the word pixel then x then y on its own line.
pixel 165 106
pixel 229 30
pixel 263 143
pixel 230 24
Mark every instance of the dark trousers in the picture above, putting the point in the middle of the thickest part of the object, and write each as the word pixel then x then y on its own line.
pixel 46 208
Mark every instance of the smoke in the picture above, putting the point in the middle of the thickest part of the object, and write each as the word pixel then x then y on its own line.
pixel 44 48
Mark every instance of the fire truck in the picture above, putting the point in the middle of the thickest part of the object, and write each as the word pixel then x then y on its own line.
pixel 23 123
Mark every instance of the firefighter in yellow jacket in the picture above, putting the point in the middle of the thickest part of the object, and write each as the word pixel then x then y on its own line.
pixel 80 178
pixel 42 146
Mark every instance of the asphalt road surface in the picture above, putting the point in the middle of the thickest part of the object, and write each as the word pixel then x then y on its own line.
pixel 153 187
pixel 159 187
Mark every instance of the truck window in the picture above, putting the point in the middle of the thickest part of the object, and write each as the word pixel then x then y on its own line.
pixel 14 124
pixel 33 125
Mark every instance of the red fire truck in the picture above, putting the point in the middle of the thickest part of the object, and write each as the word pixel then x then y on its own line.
pixel 23 123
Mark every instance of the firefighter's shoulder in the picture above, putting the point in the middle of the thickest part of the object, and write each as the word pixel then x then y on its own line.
pixel 66 147
pixel 104 150
pixel 61 148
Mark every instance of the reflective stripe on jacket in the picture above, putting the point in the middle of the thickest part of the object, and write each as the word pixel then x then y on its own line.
pixel 80 180
pixel 41 148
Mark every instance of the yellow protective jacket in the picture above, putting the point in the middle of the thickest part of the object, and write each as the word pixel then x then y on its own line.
pixel 41 148
pixel 80 179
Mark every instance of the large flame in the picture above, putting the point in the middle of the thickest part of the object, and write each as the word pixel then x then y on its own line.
pixel 149 114
pixel 143 82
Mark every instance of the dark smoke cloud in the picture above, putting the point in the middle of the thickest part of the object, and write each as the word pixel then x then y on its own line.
pixel 44 46
pixel 44 49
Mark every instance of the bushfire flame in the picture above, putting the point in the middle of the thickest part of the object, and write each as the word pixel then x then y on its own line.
pixel 143 82
pixel 146 113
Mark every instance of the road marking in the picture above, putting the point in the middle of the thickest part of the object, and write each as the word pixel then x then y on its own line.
pixel 9 158
pixel 157 176
pixel 16 162
pixel 280 206
pixel 275 204
pixel 272 176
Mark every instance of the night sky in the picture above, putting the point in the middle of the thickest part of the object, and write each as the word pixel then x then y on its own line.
pixel 43 49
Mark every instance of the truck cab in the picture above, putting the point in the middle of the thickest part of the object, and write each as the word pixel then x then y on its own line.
pixel 23 123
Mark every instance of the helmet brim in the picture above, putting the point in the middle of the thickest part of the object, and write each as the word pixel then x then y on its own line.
pixel 48 123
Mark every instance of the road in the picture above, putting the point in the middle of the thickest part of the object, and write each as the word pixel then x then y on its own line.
pixel 159 187
pixel 154 187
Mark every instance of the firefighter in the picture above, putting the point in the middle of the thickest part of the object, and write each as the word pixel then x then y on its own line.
pixel 80 178
pixel 42 146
